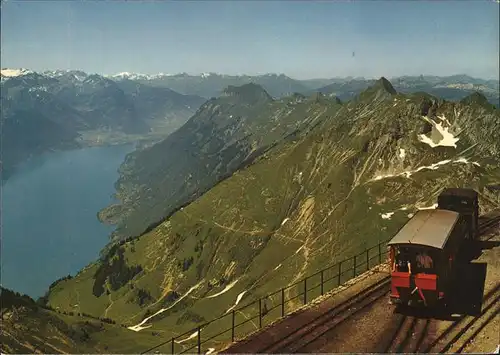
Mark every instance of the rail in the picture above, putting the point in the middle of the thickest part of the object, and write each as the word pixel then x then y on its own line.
pixel 306 290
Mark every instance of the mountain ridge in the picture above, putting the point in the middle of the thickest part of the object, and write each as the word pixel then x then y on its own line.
pixel 307 201
pixel 250 93
pixel 214 111
pixel 224 134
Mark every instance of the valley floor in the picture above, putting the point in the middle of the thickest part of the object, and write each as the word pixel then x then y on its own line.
pixel 101 138
pixel 98 137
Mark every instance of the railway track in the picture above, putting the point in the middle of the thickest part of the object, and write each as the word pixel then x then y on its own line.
pixel 488 225
pixel 416 334
pixel 299 339
pixel 412 333
pixel 409 336
pixel 452 338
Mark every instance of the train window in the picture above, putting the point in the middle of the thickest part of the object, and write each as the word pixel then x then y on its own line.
pixel 401 260
pixel 424 261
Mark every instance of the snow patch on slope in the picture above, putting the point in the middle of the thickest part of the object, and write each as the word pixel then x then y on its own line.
pixel 298 250
pixel 140 326
pixel 440 135
pixel 238 299
pixel 227 288
pixel 387 215
pixel 433 207
pixel 188 338
pixel 465 161
pixel 284 221
pixel 434 166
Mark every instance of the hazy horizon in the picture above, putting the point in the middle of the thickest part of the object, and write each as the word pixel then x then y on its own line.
pixel 270 73
pixel 303 40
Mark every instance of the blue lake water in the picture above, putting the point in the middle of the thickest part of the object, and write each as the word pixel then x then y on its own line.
pixel 49 215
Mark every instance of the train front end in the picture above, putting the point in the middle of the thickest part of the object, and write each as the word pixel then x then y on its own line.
pixel 414 280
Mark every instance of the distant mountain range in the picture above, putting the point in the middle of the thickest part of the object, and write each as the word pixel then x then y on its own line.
pixel 452 88
pixel 277 85
pixel 209 85
pixel 73 108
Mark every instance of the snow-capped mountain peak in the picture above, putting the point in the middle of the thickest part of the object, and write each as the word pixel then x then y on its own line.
pixel 137 76
pixel 78 75
pixel 7 72
pixel 126 75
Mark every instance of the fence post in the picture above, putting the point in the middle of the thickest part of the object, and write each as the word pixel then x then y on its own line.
pixel 199 340
pixel 232 327
pixel 260 312
pixel 305 290
pixel 367 260
pixel 322 282
pixel 282 302
pixel 379 253
pixel 354 267
pixel 340 272
pixel 172 345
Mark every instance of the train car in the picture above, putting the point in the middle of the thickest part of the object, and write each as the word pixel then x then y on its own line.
pixel 425 251
pixel 464 201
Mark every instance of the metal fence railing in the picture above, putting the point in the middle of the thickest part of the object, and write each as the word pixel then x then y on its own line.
pixel 267 309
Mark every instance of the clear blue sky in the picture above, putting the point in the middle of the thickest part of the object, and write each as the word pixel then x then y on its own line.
pixel 300 39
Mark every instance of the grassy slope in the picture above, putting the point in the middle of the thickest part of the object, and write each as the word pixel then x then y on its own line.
pixel 225 134
pixel 50 332
pixel 28 328
pixel 323 183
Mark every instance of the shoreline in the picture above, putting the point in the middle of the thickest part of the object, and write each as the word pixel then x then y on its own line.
pixel 89 139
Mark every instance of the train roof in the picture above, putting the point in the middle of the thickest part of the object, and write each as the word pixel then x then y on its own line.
pixel 430 228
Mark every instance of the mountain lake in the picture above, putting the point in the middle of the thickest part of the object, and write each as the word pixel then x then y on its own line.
pixel 49 222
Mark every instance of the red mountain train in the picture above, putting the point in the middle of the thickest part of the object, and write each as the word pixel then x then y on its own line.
pixel 424 252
